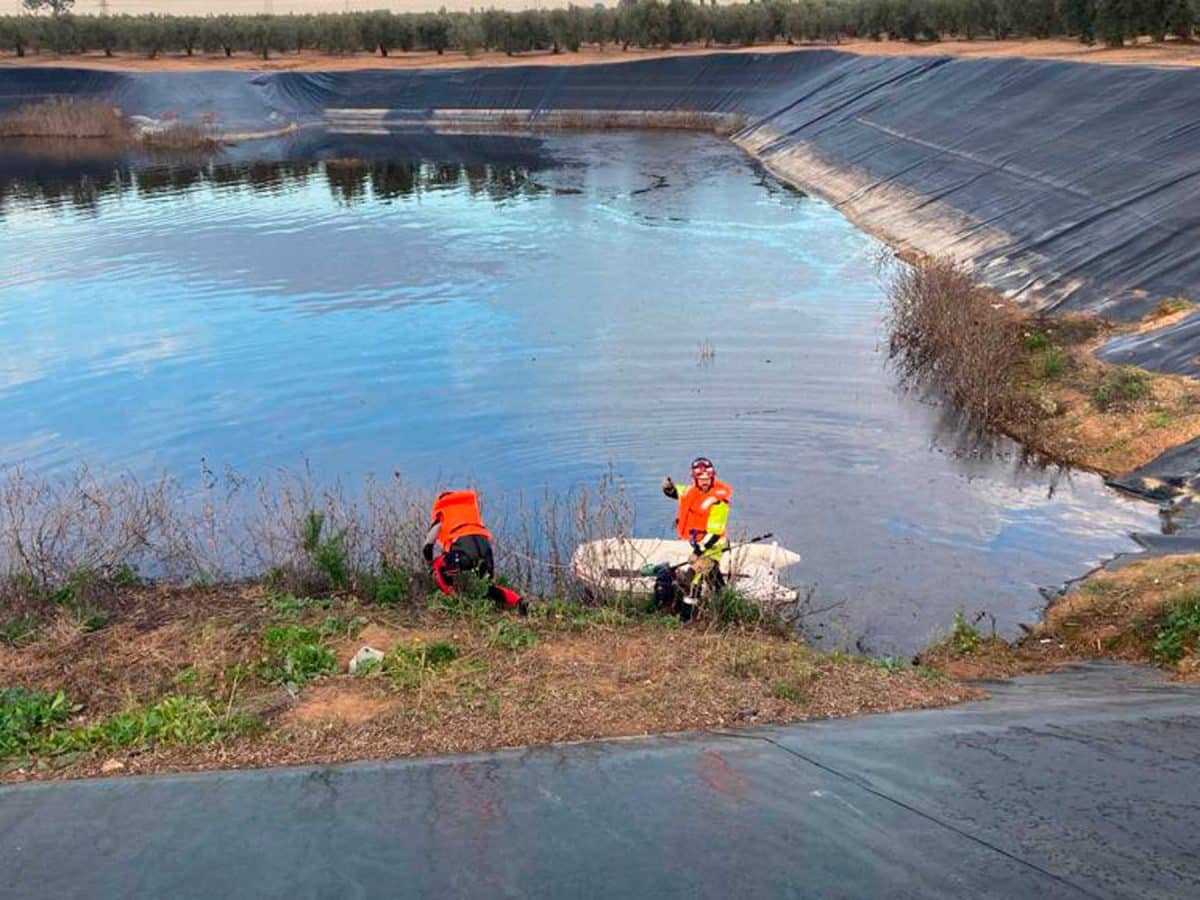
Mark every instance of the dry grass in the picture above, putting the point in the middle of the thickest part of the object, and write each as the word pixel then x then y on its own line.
pixel 67 118
pixel 1035 378
pixel 576 675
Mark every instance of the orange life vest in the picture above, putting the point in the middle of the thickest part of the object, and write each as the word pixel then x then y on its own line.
pixel 458 511
pixel 694 507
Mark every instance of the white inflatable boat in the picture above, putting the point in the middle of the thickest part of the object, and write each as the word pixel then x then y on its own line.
pixel 616 564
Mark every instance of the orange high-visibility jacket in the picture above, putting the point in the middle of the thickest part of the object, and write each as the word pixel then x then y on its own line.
pixel 703 512
pixel 458 511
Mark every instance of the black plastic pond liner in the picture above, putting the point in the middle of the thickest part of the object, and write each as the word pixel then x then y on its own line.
pixel 1177 469
pixel 1175 348
pixel 1173 480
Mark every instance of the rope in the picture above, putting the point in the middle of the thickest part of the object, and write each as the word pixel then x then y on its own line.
pixel 538 562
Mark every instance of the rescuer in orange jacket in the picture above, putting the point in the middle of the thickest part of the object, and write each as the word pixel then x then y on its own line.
pixel 702 520
pixel 466 546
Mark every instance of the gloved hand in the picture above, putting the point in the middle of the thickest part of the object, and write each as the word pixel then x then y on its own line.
pixel 697 552
pixel 667 483
pixel 427 552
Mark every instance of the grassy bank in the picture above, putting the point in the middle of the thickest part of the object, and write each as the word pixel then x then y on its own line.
pixel 237 655
pixel 1036 378
pixel 233 676
pixel 1147 612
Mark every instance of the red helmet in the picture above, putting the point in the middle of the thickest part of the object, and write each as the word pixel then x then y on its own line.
pixel 702 465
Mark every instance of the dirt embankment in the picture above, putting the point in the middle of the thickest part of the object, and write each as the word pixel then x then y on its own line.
pixel 241 676
pixel 1147 612
pixel 1143 52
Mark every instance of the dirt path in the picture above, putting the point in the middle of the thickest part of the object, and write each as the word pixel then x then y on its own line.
pixel 1172 53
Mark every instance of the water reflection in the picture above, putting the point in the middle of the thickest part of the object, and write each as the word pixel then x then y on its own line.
pixel 350 181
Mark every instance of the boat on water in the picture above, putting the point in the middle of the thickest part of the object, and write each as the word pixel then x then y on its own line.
pixel 621 565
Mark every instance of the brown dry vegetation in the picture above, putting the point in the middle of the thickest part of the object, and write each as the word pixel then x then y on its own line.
pixel 566 673
pixel 93 120
pixel 1036 378
pixel 66 118
pixel 1120 615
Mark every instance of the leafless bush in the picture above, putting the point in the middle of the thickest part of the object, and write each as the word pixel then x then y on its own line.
pixel 66 118
pixel 948 334
pixel 535 540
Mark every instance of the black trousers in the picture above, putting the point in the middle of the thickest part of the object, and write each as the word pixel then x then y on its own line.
pixel 472 553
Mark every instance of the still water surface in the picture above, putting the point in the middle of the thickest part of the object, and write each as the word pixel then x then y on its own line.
pixel 524 312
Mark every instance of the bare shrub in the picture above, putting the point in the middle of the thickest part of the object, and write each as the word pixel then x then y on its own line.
pixel 947 334
pixel 535 540
pixel 66 118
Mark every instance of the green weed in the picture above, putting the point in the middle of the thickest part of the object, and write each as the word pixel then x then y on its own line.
pixel 19 632
pixel 174 720
pixel 928 673
pixel 368 667
pixel 288 604
pixel 964 638
pixel 1161 419
pixel 390 587
pixel 469 601
pixel 1171 306
pixel 1121 387
pixel 339 626
pixel 408 664
pixel 25 715
pixel 728 607
pixel 91 617
pixel 124 576
pixel 514 636
pixel 791 690
pixel 1036 341
pixel 295 655
pixel 891 664
pixel 1050 363
pixel 1178 633
pixel 327 554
